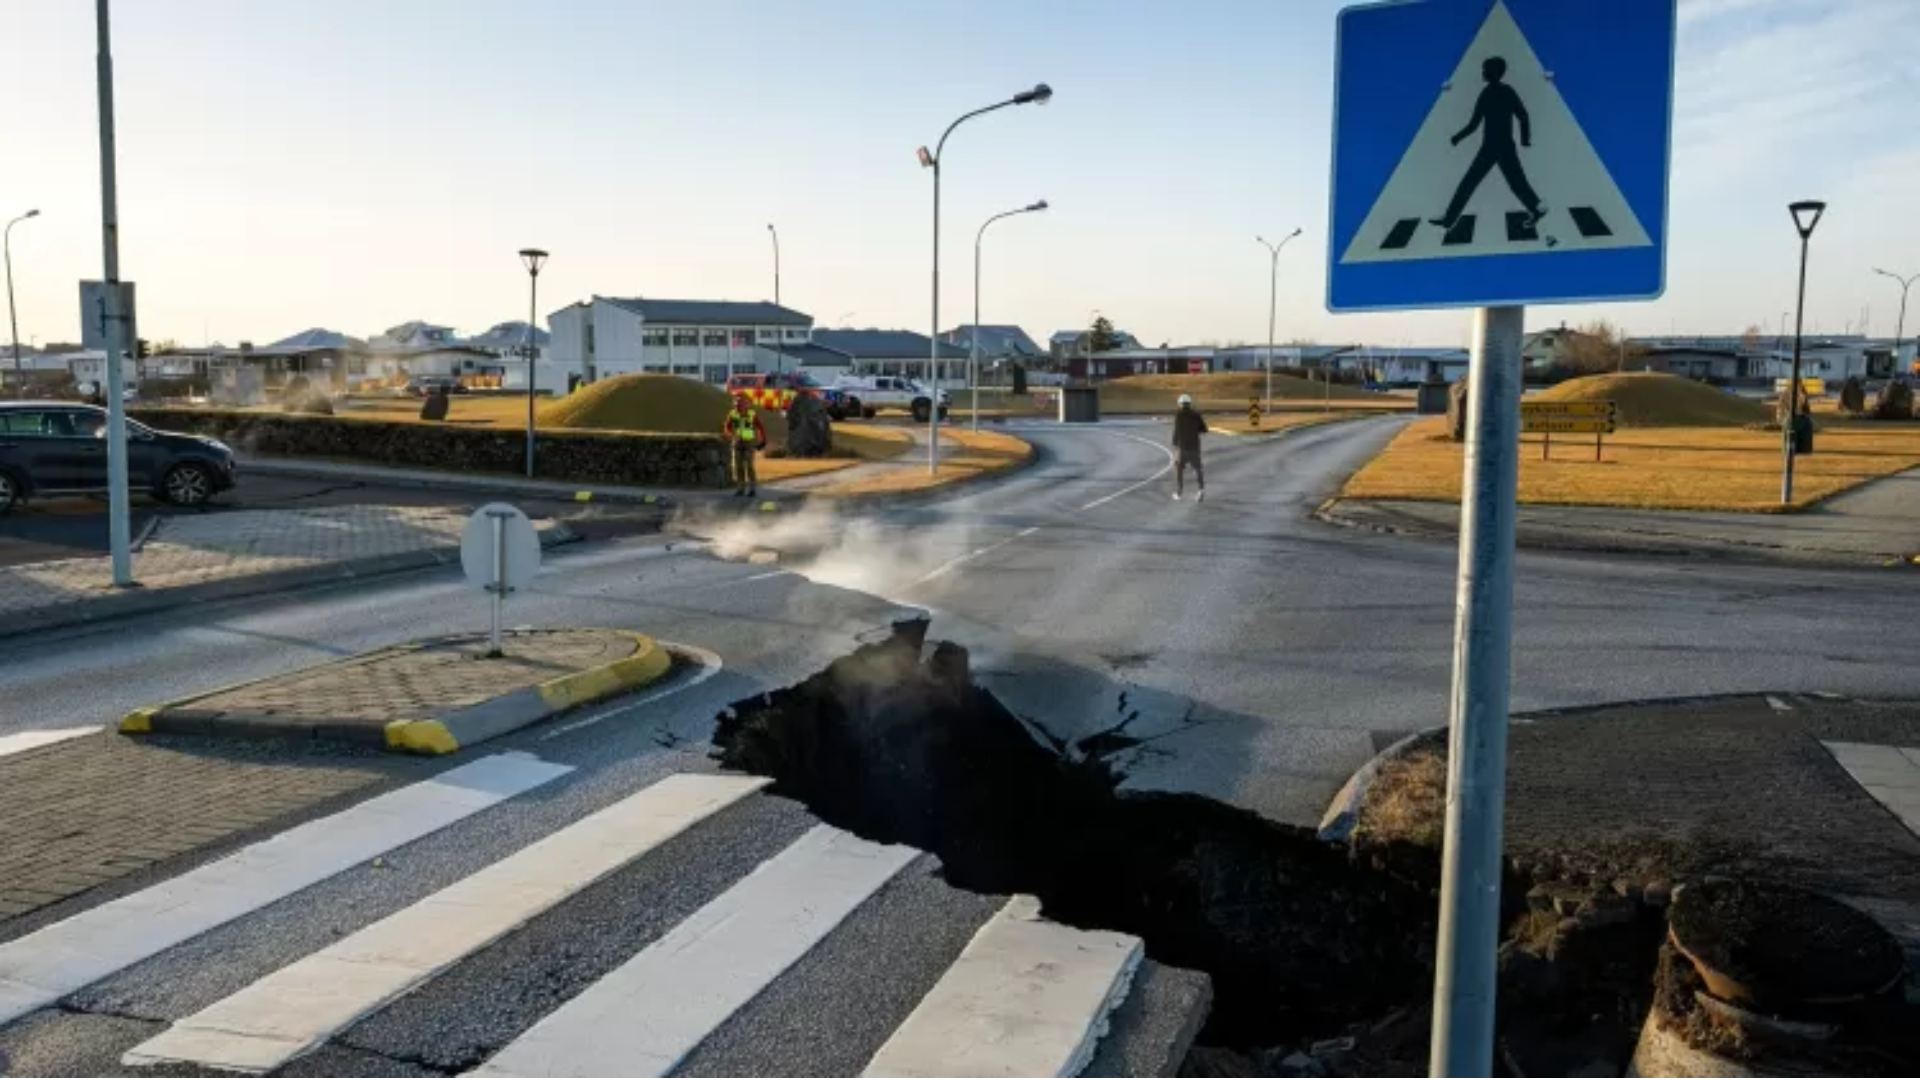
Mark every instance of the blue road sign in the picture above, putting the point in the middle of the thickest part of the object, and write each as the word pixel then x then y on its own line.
pixel 1490 152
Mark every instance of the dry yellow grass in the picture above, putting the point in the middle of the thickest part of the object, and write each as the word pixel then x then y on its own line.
pixel 1651 399
pixel 1237 423
pixel 1675 468
pixel 852 445
pixel 966 455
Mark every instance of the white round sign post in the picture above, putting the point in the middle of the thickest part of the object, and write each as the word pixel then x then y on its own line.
pixel 500 553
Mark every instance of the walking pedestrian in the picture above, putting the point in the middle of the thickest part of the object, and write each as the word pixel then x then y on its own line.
pixel 1188 426
pixel 746 435
pixel 1496 111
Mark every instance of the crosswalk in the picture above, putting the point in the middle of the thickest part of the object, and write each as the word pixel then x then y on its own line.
pixel 818 952
pixel 1518 227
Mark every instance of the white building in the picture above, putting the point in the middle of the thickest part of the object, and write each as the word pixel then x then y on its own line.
pixel 703 339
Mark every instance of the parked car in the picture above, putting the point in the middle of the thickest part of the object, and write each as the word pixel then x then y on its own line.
pixel 868 394
pixel 422 385
pixel 776 390
pixel 53 448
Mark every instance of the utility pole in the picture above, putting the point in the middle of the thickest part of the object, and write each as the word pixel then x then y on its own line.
pixel 119 515
pixel 1899 325
pixel 1273 301
pixel 13 320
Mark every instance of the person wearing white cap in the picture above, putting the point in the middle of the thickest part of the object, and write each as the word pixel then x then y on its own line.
pixel 1188 426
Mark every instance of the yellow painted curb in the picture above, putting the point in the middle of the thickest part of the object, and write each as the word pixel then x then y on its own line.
pixel 421 737
pixel 139 721
pixel 648 664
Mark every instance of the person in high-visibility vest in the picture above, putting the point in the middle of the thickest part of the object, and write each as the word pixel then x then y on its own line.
pixel 746 434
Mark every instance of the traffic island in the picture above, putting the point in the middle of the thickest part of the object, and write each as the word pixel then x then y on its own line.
pixel 426 697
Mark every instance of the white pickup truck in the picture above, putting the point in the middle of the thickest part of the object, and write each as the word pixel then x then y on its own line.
pixel 868 394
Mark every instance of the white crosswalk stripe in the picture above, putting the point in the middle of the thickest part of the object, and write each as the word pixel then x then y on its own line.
pixel 690 981
pixel 741 914
pixel 39 969
pixel 1028 997
pixel 296 1008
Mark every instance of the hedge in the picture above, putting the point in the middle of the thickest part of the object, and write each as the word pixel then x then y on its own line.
pixel 601 457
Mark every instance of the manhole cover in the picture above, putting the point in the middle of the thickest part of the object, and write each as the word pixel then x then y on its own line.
pixel 1774 945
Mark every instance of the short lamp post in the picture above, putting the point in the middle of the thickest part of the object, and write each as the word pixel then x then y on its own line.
pixel 973 344
pixel 931 159
pixel 1806 215
pixel 534 259
pixel 1900 324
pixel 1273 302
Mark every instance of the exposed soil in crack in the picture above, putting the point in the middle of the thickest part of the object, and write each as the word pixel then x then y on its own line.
pixel 1320 954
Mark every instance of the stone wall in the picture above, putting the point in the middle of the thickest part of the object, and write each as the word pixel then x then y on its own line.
pixel 575 456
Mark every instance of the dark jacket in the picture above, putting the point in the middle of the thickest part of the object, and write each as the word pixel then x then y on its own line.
pixel 1188 426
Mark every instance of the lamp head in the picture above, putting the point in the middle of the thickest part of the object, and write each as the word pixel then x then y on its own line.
pixel 1039 95
pixel 1806 215
pixel 534 259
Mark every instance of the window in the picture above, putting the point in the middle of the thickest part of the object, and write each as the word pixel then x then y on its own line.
pixel 717 374
pixel 796 334
pixel 685 336
pixel 589 339
pixel 768 335
pixel 714 339
pixel 653 339
pixel 686 369
pixel 23 423
pixel 743 339
pixel 745 369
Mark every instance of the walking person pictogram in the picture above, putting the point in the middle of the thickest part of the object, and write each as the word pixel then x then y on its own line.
pixel 1496 111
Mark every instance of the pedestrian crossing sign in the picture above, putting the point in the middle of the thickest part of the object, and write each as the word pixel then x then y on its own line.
pixel 1492 152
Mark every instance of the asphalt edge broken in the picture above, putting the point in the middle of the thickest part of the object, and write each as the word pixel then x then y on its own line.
pixel 647 664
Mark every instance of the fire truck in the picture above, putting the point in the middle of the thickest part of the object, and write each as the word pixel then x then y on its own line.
pixel 777 390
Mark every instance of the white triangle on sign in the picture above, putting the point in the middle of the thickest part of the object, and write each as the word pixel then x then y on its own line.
pixel 1585 210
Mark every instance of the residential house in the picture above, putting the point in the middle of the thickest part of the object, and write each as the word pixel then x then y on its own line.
pixel 996 342
pixel 1068 343
pixel 1121 363
pixel 878 352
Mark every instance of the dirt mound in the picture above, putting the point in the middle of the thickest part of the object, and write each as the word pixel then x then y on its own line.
pixel 1651 399
pixel 659 403
pixel 1233 387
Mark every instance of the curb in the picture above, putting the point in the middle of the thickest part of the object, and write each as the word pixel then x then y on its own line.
pixel 926 495
pixel 461 728
pixel 120 605
pixel 1670 546
pixel 1343 813
pixel 498 485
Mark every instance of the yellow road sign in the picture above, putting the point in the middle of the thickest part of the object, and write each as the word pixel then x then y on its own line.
pixel 1569 409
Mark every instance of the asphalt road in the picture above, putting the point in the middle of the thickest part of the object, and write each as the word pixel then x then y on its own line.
pixel 76 527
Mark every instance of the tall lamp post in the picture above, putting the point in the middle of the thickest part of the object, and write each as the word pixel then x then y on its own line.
pixel 1899 326
pixel 973 345
pixel 1273 302
pixel 14 319
pixel 534 259
pixel 779 358
pixel 1039 95
pixel 1806 215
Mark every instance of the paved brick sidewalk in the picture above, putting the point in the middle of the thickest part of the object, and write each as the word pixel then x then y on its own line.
pixel 186 554
pixel 433 696
pixel 83 812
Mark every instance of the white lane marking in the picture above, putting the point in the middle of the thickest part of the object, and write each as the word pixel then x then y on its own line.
pixel 21 741
pixel 765 576
pixel 295 1009
pixel 1778 705
pixel 41 968
pixel 1027 997
pixel 710 665
pixel 955 563
pixel 1105 499
pixel 648 1014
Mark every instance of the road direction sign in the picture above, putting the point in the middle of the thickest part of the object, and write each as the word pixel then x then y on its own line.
pixel 1500 153
pixel 1568 417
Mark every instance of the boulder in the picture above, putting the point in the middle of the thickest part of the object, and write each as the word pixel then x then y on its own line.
pixel 809 429
pixel 1853 396
pixel 436 405
pixel 1457 411
pixel 1894 401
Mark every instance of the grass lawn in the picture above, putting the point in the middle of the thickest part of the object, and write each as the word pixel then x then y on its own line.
pixel 964 455
pixel 1674 468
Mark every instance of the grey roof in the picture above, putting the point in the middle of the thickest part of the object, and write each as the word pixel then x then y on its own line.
pixel 883 345
pixel 314 340
pixel 813 356
pixel 711 312
pixel 508 335
pixel 994 340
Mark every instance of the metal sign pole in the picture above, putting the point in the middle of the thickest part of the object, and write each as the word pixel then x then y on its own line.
pixel 499 576
pixel 1465 967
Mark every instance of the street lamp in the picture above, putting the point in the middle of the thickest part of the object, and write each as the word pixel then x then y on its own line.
pixel 1273 301
pixel 1039 95
pixel 1900 325
pixel 779 358
pixel 1806 215
pixel 973 349
pixel 534 259
pixel 14 319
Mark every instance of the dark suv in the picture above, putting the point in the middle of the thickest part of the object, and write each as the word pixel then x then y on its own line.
pixel 58 448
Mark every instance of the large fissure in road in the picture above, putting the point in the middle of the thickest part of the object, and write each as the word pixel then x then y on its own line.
pixel 1299 940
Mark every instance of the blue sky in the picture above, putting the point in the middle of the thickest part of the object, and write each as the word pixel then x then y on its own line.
pixel 355 163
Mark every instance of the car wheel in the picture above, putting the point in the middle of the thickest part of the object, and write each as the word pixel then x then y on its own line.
pixel 868 412
pixel 854 408
pixel 188 485
pixel 921 410
pixel 9 491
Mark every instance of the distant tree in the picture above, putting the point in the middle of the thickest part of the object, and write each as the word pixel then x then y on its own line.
pixel 166 345
pixel 1596 348
pixel 1100 337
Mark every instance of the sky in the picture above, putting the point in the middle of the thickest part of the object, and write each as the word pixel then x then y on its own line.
pixel 353 164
